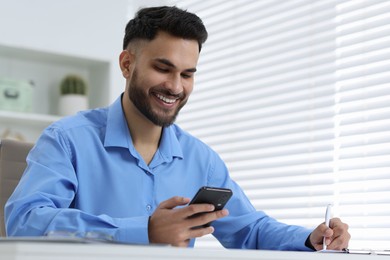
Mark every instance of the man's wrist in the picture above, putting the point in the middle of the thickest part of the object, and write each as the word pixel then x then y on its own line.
pixel 309 244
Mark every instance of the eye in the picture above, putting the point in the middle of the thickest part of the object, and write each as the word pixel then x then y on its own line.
pixel 160 69
pixel 186 76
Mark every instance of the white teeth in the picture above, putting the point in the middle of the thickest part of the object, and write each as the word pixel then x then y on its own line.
pixel 165 99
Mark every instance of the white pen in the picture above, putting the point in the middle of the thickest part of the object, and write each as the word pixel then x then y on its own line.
pixel 328 214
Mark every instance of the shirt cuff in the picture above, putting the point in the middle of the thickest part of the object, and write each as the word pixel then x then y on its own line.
pixel 309 244
pixel 301 235
pixel 133 230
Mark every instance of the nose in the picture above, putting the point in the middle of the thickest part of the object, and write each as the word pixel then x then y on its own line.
pixel 175 84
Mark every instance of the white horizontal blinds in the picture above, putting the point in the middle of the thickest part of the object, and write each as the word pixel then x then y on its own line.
pixel 363 120
pixel 294 95
pixel 264 100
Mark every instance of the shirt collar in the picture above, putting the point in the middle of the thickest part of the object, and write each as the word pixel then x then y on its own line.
pixel 118 134
pixel 169 144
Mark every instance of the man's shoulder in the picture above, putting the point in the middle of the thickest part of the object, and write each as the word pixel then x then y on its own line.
pixel 189 139
pixel 94 118
pixel 184 135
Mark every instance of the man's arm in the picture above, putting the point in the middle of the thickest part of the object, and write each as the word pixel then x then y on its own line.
pixel 41 203
pixel 39 221
pixel 44 199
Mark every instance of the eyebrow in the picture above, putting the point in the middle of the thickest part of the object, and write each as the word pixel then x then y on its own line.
pixel 170 64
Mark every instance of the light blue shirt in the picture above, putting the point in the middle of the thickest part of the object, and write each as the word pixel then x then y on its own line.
pixel 85 175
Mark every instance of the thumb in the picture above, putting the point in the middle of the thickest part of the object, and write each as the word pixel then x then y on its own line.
pixel 316 237
pixel 174 202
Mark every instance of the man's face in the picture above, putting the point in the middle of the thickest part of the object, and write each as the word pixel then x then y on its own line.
pixel 162 77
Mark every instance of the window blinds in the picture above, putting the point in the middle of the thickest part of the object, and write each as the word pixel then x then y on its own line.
pixel 362 119
pixel 295 97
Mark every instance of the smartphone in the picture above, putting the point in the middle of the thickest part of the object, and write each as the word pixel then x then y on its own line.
pixel 211 195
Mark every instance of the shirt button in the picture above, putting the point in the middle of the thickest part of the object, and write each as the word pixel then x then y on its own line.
pixel 148 207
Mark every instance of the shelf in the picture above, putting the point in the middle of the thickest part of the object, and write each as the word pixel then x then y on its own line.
pixel 48 57
pixel 24 126
pixel 28 119
pixel 46 70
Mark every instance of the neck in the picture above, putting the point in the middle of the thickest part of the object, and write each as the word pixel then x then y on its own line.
pixel 145 135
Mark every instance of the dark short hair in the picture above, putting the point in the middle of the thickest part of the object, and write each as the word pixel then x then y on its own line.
pixel 177 22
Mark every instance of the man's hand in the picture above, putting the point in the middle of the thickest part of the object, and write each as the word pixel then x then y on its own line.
pixel 171 225
pixel 336 235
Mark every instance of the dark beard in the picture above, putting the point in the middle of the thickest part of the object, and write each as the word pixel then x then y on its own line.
pixel 140 101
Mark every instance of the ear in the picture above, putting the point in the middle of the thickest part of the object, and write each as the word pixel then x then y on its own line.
pixel 125 61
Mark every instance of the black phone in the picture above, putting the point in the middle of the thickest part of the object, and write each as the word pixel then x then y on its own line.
pixel 211 195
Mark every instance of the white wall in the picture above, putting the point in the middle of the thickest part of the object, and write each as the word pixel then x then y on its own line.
pixel 87 28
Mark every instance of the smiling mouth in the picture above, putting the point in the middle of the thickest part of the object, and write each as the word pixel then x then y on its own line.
pixel 165 99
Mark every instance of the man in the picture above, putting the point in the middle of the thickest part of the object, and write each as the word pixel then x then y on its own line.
pixel 128 172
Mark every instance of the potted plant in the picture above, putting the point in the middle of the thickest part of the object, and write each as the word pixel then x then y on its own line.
pixel 73 95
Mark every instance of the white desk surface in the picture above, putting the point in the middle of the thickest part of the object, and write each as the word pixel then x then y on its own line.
pixel 29 250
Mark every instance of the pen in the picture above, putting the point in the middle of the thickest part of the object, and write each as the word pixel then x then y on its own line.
pixel 328 214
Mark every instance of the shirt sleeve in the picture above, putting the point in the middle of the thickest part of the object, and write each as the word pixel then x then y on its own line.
pixel 248 228
pixel 42 201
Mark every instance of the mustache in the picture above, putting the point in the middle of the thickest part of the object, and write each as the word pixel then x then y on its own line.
pixel 165 92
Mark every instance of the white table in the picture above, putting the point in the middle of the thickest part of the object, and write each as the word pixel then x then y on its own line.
pixel 41 250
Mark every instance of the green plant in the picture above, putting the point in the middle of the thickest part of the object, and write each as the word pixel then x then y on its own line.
pixel 73 84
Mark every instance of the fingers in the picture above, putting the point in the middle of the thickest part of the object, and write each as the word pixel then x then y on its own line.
pixel 336 235
pixel 174 202
pixel 183 238
pixel 204 218
pixel 200 232
pixel 171 225
pixel 340 237
pixel 184 243
pixel 318 234
pixel 195 209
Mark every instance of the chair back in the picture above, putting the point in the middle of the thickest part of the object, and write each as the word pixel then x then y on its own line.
pixel 12 165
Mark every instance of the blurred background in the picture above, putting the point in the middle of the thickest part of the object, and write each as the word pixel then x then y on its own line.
pixel 294 95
